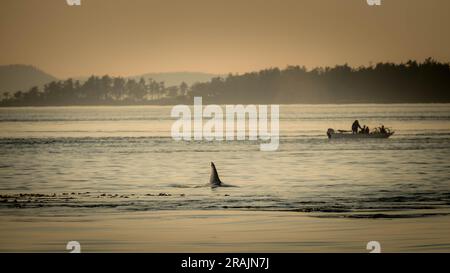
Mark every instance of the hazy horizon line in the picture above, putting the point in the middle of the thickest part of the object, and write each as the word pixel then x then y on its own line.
pixel 308 68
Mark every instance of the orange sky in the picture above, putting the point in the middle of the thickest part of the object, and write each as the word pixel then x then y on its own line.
pixel 128 37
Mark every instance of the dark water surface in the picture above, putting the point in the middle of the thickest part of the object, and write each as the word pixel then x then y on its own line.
pixel 80 160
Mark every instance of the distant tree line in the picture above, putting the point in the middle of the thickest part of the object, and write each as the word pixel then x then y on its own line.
pixel 412 81
pixel 95 90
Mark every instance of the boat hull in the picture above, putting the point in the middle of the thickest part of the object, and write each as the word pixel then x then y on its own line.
pixel 357 136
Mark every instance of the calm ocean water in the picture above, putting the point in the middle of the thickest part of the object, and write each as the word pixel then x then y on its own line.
pixel 83 160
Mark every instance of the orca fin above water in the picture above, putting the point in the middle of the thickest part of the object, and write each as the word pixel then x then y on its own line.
pixel 214 179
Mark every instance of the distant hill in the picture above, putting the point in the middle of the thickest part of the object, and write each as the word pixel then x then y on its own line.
pixel 22 77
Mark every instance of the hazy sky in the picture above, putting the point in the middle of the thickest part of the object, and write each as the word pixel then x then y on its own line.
pixel 127 37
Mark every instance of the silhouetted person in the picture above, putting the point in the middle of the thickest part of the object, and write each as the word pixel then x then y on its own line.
pixel 355 126
pixel 383 130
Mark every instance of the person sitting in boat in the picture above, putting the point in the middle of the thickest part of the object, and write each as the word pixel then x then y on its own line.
pixel 355 126
pixel 363 130
pixel 367 131
pixel 383 130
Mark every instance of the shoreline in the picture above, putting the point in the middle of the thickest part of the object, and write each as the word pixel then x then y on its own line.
pixel 221 231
